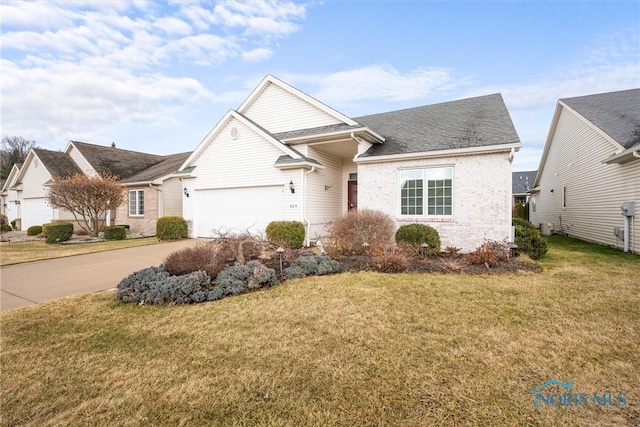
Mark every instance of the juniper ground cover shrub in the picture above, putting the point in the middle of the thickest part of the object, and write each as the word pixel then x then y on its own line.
pixel 311 265
pixel 154 285
pixel 289 233
pixel 348 233
pixel 237 278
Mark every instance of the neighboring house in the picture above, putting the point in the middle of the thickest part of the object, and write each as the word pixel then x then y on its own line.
pixel 590 166
pixel 8 194
pixel 151 191
pixel 283 155
pixel 522 183
pixel 40 168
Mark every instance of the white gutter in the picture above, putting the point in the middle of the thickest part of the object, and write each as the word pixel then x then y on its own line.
pixel 304 207
pixel 487 149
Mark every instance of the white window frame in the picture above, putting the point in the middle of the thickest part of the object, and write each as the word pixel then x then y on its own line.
pixel 423 172
pixel 134 209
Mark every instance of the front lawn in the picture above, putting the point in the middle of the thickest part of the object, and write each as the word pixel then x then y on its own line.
pixel 343 350
pixel 36 250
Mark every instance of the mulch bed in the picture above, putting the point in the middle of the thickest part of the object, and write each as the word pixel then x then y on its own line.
pixel 443 264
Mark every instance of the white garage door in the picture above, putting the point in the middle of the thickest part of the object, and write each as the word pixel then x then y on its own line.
pixel 35 212
pixel 237 209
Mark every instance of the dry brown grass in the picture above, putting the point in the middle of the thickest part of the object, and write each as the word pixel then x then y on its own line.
pixel 19 252
pixel 346 350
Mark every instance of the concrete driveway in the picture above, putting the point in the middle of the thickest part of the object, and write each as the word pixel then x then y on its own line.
pixel 31 283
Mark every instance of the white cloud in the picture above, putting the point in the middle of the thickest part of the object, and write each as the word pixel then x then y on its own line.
pixel 380 82
pixel 257 55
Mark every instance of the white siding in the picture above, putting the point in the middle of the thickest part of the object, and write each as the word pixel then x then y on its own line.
pixel 481 197
pixel 595 191
pixel 278 110
pixel 244 162
pixel 325 205
pixel 33 179
pixel 171 197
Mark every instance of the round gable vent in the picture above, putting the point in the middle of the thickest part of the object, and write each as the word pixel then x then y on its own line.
pixel 235 133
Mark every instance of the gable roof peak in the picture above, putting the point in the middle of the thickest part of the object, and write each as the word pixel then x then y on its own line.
pixel 271 79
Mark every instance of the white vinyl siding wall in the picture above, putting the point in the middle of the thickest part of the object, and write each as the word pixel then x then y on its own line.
pixel 595 190
pixel 33 180
pixel 278 110
pixel 323 205
pixel 171 197
pixel 247 161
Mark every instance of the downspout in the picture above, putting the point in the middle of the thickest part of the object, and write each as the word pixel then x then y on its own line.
pixel 307 242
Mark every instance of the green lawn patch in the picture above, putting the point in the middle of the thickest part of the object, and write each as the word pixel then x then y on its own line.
pixel 341 350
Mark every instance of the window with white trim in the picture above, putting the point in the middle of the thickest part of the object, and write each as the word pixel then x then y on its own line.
pixel 136 202
pixel 426 192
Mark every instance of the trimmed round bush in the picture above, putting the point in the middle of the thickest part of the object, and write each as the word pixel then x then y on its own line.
pixel 116 232
pixel 34 230
pixel 290 233
pixel 56 232
pixel 528 239
pixel 171 228
pixel 417 234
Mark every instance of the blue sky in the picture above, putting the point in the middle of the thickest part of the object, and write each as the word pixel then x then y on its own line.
pixel 157 76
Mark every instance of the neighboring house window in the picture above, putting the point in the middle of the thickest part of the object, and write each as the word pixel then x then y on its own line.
pixel 564 197
pixel 136 202
pixel 426 191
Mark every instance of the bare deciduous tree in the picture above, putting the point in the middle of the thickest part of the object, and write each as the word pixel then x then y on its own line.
pixel 14 150
pixel 87 198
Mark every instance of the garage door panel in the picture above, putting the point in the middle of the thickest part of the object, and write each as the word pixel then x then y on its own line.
pixel 237 209
pixel 35 212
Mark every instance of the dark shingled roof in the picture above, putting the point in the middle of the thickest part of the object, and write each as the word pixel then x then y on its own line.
pixel 615 113
pixel 58 163
pixel 118 162
pixel 169 165
pixel 522 182
pixel 473 122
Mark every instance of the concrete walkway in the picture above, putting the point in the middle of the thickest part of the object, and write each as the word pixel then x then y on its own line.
pixel 31 283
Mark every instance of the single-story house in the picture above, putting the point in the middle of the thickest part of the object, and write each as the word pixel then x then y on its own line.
pixel 151 191
pixel 283 155
pixel 590 170
pixel 522 183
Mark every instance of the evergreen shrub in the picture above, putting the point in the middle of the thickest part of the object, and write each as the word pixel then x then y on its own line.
pixel 417 234
pixel 34 230
pixel 528 239
pixel 56 232
pixel 290 233
pixel 171 228
pixel 116 232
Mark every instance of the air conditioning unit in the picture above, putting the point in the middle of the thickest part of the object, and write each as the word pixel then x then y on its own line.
pixel 546 228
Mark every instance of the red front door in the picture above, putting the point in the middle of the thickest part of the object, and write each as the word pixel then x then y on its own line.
pixel 352 195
